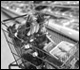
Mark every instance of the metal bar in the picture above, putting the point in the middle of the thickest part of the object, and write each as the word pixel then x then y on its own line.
pixel 12 64
pixel 29 62
pixel 44 61
pixel 47 62
pixel 13 18
pixel 46 54
pixel 4 30
pixel 4 24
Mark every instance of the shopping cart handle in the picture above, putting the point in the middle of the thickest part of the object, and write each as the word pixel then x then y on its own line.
pixel 13 18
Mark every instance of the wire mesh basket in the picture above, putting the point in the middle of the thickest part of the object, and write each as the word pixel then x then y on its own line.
pixel 17 51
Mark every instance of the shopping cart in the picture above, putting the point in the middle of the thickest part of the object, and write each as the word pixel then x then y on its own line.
pixel 17 51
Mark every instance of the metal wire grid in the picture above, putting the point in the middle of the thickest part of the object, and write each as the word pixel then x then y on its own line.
pixel 17 51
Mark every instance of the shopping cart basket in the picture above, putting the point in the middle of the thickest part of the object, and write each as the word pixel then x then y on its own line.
pixel 17 51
